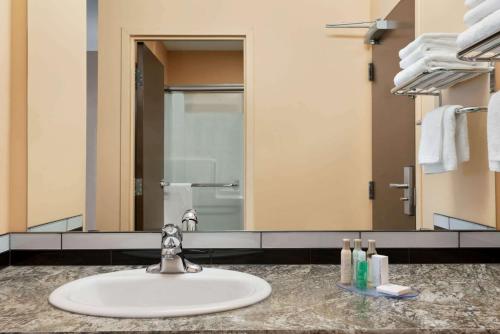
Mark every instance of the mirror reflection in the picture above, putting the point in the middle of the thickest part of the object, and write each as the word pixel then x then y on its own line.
pixel 189 132
pixel 137 115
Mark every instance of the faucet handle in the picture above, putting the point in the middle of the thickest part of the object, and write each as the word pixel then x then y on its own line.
pixel 190 220
pixel 190 214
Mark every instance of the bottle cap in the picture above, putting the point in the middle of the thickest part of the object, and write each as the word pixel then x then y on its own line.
pixel 347 243
pixel 357 243
pixel 371 248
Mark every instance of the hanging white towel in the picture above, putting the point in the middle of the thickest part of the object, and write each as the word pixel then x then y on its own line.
pixel 444 140
pixel 431 138
pixel 178 197
pixel 493 129
pixel 435 39
pixel 427 51
pixel 429 62
pixel 472 3
pixel 479 12
pixel 484 28
pixel 462 138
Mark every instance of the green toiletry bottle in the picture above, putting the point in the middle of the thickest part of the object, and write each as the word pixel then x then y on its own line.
pixel 355 254
pixel 362 271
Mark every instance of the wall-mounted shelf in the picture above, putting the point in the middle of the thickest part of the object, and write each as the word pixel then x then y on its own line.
pixel 431 82
pixel 486 50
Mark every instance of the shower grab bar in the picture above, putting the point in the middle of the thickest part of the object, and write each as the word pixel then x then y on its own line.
pixel 235 184
pixel 207 88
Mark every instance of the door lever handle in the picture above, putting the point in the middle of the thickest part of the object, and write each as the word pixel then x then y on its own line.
pixel 399 185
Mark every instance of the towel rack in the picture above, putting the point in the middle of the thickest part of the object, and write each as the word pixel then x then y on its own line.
pixel 432 81
pixel 485 50
pixel 464 110
pixel 235 184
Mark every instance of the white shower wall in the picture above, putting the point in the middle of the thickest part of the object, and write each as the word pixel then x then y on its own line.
pixel 204 144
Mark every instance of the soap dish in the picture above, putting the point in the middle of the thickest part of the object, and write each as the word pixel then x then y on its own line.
pixel 374 293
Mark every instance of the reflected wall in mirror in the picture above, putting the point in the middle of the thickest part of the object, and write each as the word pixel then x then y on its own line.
pixel 139 111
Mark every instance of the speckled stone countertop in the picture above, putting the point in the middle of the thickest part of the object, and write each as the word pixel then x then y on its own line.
pixel 305 299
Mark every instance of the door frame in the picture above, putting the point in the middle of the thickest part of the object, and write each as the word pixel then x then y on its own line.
pixel 129 41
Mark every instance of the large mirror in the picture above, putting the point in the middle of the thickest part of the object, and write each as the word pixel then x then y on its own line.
pixel 254 115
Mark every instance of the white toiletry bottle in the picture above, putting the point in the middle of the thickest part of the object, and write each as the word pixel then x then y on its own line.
pixel 369 253
pixel 355 256
pixel 346 262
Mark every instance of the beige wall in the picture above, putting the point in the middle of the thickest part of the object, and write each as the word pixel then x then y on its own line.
pixel 468 193
pixel 4 113
pixel 379 9
pixel 12 116
pixel 497 175
pixel 308 106
pixel 198 67
pixel 205 67
pixel 56 109
pixel 18 121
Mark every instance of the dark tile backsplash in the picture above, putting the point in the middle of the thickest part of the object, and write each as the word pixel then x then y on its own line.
pixel 4 259
pixel 244 256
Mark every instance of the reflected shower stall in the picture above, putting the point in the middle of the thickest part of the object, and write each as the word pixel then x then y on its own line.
pixel 203 155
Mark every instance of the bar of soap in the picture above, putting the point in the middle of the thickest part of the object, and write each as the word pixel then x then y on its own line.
pixel 394 289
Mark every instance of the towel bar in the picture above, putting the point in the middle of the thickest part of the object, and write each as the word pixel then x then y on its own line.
pixel 431 82
pixel 464 110
pixel 375 28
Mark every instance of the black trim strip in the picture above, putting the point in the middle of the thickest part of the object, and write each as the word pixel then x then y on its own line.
pixel 4 259
pixel 244 256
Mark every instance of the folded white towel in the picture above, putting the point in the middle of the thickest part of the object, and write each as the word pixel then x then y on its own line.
pixel 484 28
pixel 427 51
pixel 429 62
pixel 434 38
pixel 444 142
pixel 178 197
pixel 473 3
pixel 479 12
pixel 493 129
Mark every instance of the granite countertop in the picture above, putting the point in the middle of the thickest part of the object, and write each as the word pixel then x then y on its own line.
pixel 454 299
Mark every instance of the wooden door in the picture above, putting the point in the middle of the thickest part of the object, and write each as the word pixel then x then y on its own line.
pixel 393 124
pixel 149 134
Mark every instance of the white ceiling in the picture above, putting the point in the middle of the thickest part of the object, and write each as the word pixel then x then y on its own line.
pixel 193 45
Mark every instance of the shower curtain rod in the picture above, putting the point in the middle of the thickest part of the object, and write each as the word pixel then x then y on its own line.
pixel 206 88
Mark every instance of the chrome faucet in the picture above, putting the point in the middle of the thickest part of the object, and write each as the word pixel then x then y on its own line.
pixel 172 256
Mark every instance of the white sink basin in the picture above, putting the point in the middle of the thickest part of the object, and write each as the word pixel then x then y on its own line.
pixel 137 294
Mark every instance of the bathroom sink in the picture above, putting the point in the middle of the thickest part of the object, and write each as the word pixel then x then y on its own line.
pixel 137 294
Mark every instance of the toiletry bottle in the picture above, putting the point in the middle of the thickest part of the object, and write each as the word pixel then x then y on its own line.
pixel 369 253
pixel 346 263
pixel 355 252
pixel 362 270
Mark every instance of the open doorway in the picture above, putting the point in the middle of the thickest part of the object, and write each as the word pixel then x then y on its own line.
pixel 189 133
